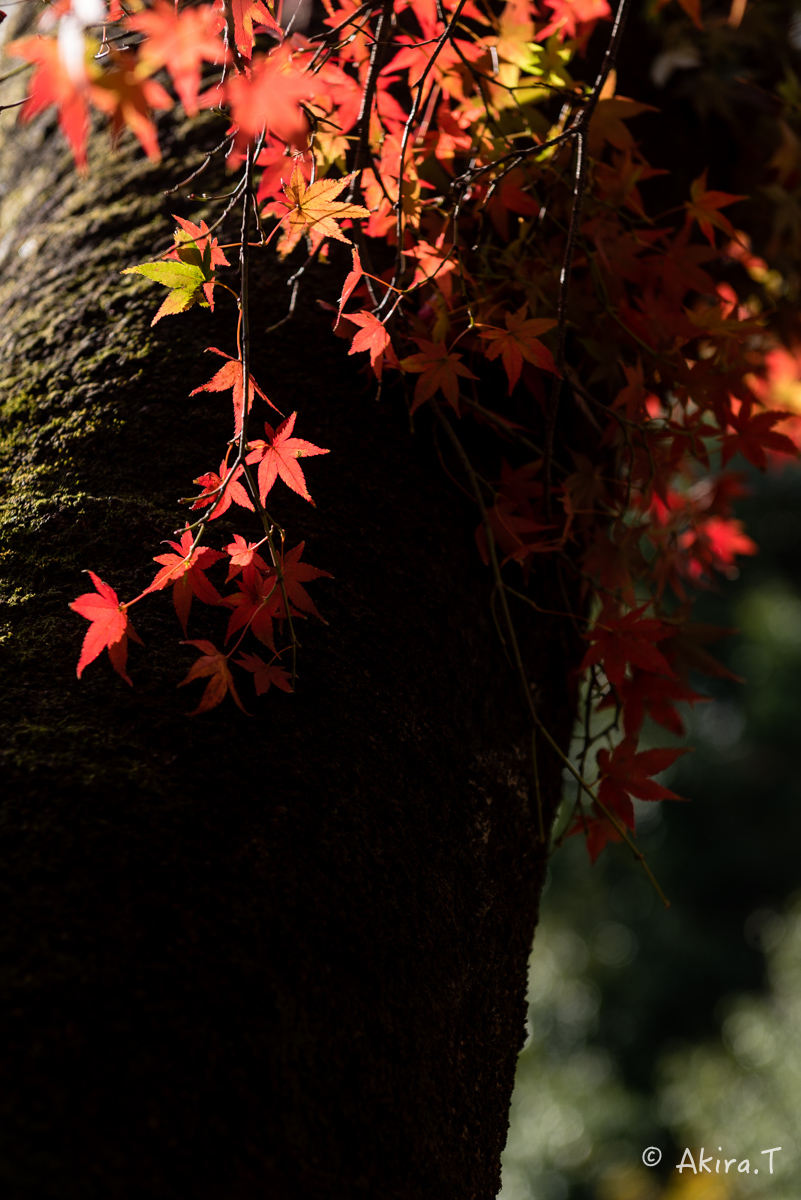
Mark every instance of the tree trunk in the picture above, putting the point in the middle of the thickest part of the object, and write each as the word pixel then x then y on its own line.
pixel 279 955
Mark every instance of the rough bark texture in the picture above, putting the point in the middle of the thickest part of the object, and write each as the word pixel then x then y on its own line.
pixel 282 955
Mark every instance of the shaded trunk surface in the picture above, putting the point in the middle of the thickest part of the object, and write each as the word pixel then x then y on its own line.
pixel 281 955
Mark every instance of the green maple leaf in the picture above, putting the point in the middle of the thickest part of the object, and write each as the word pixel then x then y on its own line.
pixel 187 279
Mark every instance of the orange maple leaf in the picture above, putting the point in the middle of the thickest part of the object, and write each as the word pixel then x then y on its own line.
pixel 246 14
pixel 270 98
pixel 607 122
pixel 438 370
pixel 180 42
pixel 314 210
pixel 52 83
pixel 703 207
pixel 351 282
pixel 520 341
pixel 213 664
pixel 128 99
pixel 372 337
pixel 230 376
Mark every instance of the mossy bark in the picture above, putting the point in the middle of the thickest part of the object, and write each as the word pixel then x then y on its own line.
pixel 281 955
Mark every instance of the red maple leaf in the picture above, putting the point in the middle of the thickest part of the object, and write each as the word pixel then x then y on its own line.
pixel 295 574
pixel 191 248
pixel 572 17
pixel 233 492
pixel 520 340
pixel 654 696
pixel 264 674
pixel 628 640
pixel 597 830
pixel 713 545
pixel 110 629
pixel 255 605
pixel 639 401
pixel 180 41
pixel 230 376
pixel 625 773
pixel 214 665
pixel 754 435
pixel 278 455
pixel 242 555
pixel 185 571
pixel 438 370
pixel 127 99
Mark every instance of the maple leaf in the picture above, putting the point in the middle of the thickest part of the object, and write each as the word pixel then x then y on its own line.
pixel 246 14
pixel 277 164
pixel 185 570
pixel 703 207
pixel 438 370
pixel 278 455
pixel 191 242
pixel 598 831
pixel 255 605
pixel 270 98
pixel 435 265
pixel 640 403
pixel 713 545
pixel 617 560
pixel 512 517
pixel 214 665
pixel 586 488
pixel 110 628
pixel 754 435
pixel 687 650
pixel 626 773
pixel 519 341
pixel 372 337
pixel 351 281
pixel 127 99
pixel 52 83
pixel 233 492
pixel 179 41
pixel 295 573
pixel 607 125
pixel 230 376
pixel 187 282
pixel 680 269
pixel 572 17
pixel 264 674
pixel 313 209
pixel 628 640
pixel 243 554
pixel 655 696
